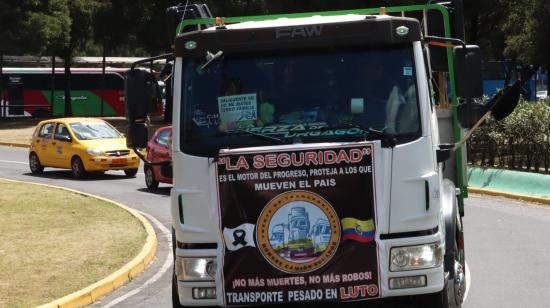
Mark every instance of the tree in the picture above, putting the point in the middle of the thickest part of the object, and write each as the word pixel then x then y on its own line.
pixel 78 31
pixel 30 26
pixel 483 22
pixel 528 32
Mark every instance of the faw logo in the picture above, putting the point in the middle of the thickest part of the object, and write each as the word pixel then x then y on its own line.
pixel 298 32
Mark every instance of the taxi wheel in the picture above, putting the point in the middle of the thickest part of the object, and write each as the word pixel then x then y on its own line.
pixel 35 165
pixel 130 172
pixel 77 167
pixel 150 181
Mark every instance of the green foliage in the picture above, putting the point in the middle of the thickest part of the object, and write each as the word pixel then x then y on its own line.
pixel 521 141
pixel 527 25
pixel 30 26
pixel 483 20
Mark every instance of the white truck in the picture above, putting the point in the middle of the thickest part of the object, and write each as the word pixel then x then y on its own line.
pixel 346 117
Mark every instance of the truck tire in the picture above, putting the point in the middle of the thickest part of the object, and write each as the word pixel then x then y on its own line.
pixel 452 294
pixel 459 267
pixel 439 299
pixel 175 295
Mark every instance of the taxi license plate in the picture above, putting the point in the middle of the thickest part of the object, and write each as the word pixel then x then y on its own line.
pixel 119 162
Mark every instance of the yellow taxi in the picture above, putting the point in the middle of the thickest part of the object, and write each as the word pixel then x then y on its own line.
pixel 82 145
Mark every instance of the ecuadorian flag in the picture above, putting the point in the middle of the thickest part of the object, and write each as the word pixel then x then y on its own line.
pixel 358 230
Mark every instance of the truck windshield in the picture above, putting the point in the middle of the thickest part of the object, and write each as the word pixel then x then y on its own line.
pixel 326 96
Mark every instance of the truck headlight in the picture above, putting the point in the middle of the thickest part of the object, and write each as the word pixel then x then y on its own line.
pixel 192 269
pixel 94 152
pixel 415 257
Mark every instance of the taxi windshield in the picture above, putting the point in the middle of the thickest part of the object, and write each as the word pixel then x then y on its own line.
pixel 324 96
pixel 94 130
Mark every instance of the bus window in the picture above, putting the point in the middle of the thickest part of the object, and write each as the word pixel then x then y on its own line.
pixel 15 96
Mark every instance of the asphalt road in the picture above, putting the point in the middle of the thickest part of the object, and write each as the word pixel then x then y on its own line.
pixel 507 242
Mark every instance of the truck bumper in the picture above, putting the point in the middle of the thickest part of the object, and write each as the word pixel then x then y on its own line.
pixel 435 277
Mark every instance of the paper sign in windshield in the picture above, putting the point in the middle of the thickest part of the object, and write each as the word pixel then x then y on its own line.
pixel 237 108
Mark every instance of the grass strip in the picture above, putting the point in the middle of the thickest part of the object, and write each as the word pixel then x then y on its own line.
pixel 53 242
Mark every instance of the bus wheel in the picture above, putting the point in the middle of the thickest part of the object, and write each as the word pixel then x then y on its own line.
pixel 35 165
pixel 77 168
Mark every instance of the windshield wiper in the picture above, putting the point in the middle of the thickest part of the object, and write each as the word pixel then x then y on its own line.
pixel 254 134
pixel 210 58
pixel 388 140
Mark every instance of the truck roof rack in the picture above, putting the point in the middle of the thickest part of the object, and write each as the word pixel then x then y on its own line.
pixel 183 12
pixel 447 9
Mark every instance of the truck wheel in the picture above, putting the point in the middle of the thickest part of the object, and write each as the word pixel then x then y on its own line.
pixel 35 165
pixel 452 294
pixel 175 295
pixel 77 168
pixel 130 172
pixel 150 181
pixel 459 271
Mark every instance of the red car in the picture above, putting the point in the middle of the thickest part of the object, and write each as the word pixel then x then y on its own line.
pixel 158 150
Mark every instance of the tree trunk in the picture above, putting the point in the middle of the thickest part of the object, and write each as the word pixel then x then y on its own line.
pixel 474 27
pixel 68 102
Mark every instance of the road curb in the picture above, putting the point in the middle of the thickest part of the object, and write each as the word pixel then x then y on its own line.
pixel 13 144
pixel 129 271
pixel 523 197
pixel 509 181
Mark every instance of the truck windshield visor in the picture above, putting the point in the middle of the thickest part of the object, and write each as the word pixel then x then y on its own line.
pixel 324 96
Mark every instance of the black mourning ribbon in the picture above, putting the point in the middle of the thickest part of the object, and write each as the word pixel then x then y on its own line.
pixel 239 236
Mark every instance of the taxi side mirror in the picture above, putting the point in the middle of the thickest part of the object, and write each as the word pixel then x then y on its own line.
pixel 140 93
pixel 64 138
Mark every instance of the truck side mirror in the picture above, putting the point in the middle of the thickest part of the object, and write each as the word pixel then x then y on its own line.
pixel 469 83
pixel 138 135
pixel 141 94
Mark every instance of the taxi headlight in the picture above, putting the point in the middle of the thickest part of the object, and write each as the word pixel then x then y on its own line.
pixel 416 257
pixel 94 152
